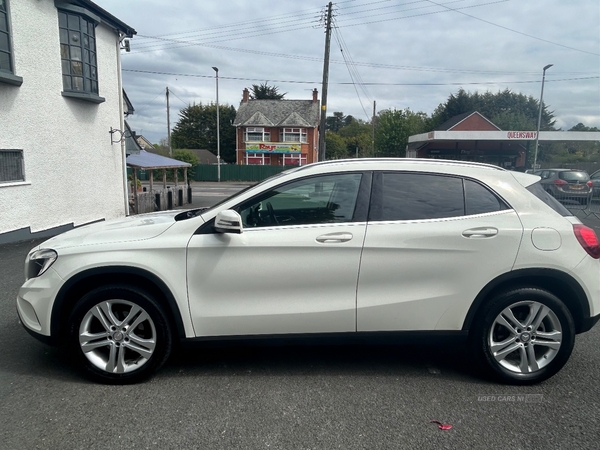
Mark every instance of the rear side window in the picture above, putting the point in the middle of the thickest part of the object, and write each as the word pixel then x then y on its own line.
pixel 538 190
pixel 415 196
pixel 480 200
pixel 573 175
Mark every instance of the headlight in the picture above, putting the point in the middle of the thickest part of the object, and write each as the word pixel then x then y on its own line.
pixel 38 262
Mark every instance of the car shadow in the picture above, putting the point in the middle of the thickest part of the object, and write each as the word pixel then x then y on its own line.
pixel 443 360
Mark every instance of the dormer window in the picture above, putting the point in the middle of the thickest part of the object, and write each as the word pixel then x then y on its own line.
pixel 257 134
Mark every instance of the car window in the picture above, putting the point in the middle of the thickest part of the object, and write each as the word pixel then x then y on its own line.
pixel 595 176
pixel 414 196
pixel 480 200
pixel 323 199
pixel 574 175
pixel 409 196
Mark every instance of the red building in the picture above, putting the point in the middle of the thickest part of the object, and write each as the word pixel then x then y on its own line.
pixel 277 132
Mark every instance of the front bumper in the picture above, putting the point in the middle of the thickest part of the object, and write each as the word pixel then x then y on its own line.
pixel 35 301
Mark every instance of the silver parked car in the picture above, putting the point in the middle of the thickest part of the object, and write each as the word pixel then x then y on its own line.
pixel 595 179
pixel 567 184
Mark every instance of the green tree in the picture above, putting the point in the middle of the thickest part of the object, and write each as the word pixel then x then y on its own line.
pixel 265 92
pixel 335 146
pixel 197 129
pixel 162 146
pixel 506 109
pixel 394 126
pixel 574 151
pixel 180 155
pixel 337 121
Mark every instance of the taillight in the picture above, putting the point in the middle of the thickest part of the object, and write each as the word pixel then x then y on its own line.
pixel 588 239
pixel 590 184
pixel 560 182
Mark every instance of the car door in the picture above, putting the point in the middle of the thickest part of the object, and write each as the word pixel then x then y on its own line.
pixel 432 243
pixel 293 269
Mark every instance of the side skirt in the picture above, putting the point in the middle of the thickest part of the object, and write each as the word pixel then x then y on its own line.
pixel 356 338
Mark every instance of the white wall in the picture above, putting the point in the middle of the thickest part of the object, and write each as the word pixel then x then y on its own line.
pixel 73 173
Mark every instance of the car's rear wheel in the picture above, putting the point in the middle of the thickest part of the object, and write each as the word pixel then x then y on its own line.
pixel 524 336
pixel 120 334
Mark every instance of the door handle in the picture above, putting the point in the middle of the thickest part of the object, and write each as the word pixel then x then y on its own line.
pixel 334 238
pixel 481 232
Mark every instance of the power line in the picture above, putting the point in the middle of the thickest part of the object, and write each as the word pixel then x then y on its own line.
pixel 237 24
pixel 514 31
pixel 367 83
pixel 242 31
pixel 380 65
pixel 414 15
pixel 352 70
pixel 248 34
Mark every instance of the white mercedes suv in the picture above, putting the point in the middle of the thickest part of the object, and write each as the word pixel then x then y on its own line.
pixel 351 248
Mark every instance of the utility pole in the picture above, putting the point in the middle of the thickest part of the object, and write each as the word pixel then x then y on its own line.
pixel 373 127
pixel 322 126
pixel 169 124
pixel 216 69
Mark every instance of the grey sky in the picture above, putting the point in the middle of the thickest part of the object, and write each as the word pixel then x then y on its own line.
pixel 406 53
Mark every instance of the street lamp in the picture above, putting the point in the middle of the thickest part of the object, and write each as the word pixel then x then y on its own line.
pixel 216 69
pixel 537 135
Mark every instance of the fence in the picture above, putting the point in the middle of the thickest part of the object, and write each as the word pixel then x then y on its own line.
pixel 229 172
pixel 589 167
pixel 159 199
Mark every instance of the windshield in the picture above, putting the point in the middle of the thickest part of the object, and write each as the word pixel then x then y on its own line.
pixel 266 180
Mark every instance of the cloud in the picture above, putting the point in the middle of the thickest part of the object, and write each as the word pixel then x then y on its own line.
pixel 408 54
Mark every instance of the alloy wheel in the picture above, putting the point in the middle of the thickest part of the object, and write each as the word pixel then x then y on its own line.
pixel 525 337
pixel 117 336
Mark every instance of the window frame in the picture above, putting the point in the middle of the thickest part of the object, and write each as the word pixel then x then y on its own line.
pixel 9 76
pixel 361 208
pixel 265 135
pixel 89 64
pixel 262 156
pixel 21 169
pixel 302 134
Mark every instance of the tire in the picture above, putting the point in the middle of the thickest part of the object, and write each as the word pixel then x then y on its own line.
pixel 523 336
pixel 119 334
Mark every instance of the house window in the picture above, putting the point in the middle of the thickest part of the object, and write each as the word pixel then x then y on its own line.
pixel 11 166
pixel 294 160
pixel 7 68
pixel 257 134
pixel 5 46
pixel 258 159
pixel 292 135
pixel 78 53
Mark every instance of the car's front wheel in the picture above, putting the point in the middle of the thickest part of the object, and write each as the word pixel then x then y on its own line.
pixel 120 334
pixel 524 336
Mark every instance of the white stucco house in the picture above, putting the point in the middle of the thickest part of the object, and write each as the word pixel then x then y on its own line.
pixel 60 96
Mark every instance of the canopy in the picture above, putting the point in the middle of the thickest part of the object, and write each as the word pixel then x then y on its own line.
pixel 148 161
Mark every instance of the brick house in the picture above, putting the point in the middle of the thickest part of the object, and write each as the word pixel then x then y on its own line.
pixel 277 132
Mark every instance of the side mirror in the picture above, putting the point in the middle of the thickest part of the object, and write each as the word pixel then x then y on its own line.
pixel 228 221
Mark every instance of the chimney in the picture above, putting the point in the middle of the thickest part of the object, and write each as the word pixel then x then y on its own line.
pixel 245 95
pixel 315 94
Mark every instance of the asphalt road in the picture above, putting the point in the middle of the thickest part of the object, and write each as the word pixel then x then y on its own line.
pixel 287 397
